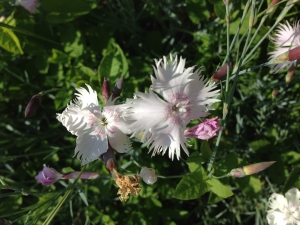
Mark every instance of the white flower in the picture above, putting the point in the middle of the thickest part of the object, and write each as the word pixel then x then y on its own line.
pixel 284 210
pixel 94 128
pixel 185 97
pixel 148 175
pixel 29 5
pixel 286 37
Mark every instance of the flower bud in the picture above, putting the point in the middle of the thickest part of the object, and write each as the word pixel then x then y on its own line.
pixel 274 93
pixel 250 169
pixel 221 72
pixel 48 176
pixel 205 130
pixel 105 90
pixel 118 88
pixel 33 105
pixel 272 6
pixel 291 55
pixel 148 175
pixel 290 74
pixel 109 159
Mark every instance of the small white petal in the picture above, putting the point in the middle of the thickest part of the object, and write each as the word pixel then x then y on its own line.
pixel 90 147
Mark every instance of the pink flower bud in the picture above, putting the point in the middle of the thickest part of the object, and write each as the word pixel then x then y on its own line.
pixel 221 72
pixel 205 130
pixel 289 56
pixel 48 176
pixel 250 169
pixel 148 175
pixel 33 105
pixel 105 90
pixel 29 5
pixel 118 88
pixel 84 175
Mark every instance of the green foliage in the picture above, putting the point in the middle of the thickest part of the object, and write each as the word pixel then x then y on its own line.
pixel 70 43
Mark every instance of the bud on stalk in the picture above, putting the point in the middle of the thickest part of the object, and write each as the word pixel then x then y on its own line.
pixel 105 90
pixel 250 169
pixel 33 105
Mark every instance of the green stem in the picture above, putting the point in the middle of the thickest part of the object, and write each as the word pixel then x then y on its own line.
pixel 58 206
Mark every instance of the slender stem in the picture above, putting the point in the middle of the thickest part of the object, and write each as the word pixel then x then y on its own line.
pixel 226 175
pixel 169 177
pixel 58 206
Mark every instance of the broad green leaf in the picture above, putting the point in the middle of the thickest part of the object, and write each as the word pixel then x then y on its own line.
pixel 226 164
pixel 59 57
pixel 72 40
pixel 250 185
pixel 66 10
pixel 114 63
pixel 9 41
pixel 86 72
pixel 218 188
pixel 205 150
pixel 220 10
pixel 291 157
pixel 261 146
pixel 213 198
pixel 194 162
pixel 197 10
pixel 191 186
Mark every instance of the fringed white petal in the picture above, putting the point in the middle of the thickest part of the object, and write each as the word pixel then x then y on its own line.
pixel 119 141
pixel 90 147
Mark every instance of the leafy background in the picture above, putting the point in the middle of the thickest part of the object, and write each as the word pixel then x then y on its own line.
pixel 68 43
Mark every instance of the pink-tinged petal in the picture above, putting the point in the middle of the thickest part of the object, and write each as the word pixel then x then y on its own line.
pixel 48 176
pixel 205 130
pixel 29 5
pixel 90 147
pixel 167 136
pixel 276 218
pixel 147 111
pixel 119 141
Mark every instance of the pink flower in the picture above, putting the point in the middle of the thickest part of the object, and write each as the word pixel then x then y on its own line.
pixel 205 130
pixel 29 5
pixel 48 176
pixel 176 97
pixel 286 38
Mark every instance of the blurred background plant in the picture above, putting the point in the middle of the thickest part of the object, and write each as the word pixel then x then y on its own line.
pixel 68 43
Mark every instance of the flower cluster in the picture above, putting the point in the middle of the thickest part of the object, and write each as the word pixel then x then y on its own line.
pixel 284 210
pixel 177 96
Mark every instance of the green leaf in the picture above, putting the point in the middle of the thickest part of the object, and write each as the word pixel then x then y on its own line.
pixel 9 41
pixel 218 188
pixel 62 98
pixel 197 10
pixel 59 57
pixel 72 40
pixel 114 63
pixel 205 150
pixel 194 162
pixel 250 185
pixel 191 186
pixel 66 10
pixel 226 164
pixel 220 9
pixel 261 146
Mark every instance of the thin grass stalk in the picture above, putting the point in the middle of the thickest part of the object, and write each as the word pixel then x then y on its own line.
pixel 58 206
pixel 288 6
